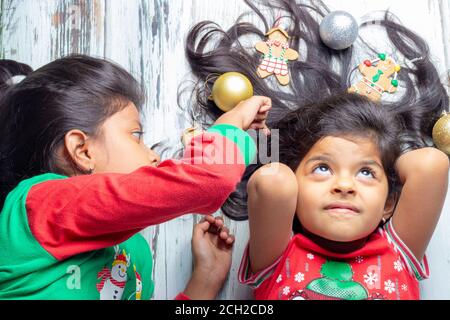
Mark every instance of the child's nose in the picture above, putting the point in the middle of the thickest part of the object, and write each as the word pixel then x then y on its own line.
pixel 155 159
pixel 344 186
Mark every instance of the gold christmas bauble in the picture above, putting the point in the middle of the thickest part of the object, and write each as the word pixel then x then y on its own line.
pixel 229 89
pixel 441 133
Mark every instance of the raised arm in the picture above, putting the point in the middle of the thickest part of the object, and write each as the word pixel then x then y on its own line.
pixel 424 175
pixel 72 215
pixel 68 216
pixel 272 200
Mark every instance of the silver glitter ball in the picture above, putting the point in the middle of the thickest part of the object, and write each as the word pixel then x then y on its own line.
pixel 338 30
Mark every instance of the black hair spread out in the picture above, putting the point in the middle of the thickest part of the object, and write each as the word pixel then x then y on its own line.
pixel 319 81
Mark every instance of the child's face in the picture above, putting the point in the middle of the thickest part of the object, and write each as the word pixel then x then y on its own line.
pixel 342 189
pixel 120 147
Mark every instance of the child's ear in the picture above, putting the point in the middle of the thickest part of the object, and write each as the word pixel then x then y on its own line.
pixel 389 207
pixel 77 146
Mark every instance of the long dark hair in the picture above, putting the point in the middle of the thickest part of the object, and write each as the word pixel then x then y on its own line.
pixel 74 92
pixel 319 74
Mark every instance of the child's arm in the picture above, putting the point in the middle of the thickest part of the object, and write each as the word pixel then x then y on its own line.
pixel 84 213
pixel 424 175
pixel 272 201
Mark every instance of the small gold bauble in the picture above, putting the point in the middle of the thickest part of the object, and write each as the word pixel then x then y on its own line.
pixel 229 89
pixel 188 134
pixel 441 133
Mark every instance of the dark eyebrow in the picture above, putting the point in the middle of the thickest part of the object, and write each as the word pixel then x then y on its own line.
pixel 320 158
pixel 371 162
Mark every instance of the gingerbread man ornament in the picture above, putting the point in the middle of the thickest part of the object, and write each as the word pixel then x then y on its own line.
pixel 276 55
pixel 379 76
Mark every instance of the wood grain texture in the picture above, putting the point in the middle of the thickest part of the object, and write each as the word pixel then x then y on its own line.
pixel 147 38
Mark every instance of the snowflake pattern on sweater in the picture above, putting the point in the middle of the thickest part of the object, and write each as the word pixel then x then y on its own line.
pixel 383 269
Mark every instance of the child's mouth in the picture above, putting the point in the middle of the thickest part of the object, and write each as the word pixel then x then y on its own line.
pixel 342 208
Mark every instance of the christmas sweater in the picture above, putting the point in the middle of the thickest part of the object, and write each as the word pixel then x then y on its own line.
pixel 78 237
pixel 384 269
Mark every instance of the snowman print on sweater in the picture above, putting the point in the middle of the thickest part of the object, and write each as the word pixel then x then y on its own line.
pixel 112 281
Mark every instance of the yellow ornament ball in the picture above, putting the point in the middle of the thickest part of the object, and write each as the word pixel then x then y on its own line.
pixel 229 89
pixel 441 133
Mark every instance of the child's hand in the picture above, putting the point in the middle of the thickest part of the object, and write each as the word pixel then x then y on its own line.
pixel 212 249
pixel 212 245
pixel 249 114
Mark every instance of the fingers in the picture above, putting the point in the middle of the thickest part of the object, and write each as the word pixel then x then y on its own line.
pixel 230 240
pixel 259 121
pixel 263 101
pixel 208 224
pixel 261 116
pixel 252 110
pixel 224 233
pixel 226 236
pixel 265 108
pixel 257 125
pixel 264 104
pixel 215 225
pixel 201 228
pixel 260 126
pixel 212 219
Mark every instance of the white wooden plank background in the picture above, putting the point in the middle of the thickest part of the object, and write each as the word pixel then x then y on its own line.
pixel 147 38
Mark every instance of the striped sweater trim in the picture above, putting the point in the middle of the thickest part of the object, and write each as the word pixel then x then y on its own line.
pixel 245 275
pixel 419 270
pixel 405 260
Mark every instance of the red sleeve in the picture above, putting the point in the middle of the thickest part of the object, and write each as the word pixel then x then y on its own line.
pixel 182 296
pixel 89 212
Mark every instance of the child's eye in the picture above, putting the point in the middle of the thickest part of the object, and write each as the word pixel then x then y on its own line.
pixel 367 173
pixel 138 134
pixel 322 169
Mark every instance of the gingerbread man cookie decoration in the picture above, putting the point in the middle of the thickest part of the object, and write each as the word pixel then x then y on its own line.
pixel 276 53
pixel 379 76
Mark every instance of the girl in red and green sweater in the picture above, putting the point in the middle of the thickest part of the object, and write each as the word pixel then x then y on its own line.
pixel 78 184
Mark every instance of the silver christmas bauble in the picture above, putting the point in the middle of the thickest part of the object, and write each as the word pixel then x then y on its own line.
pixel 338 30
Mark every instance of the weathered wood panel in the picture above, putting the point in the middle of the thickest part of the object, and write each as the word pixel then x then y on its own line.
pixel 147 38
